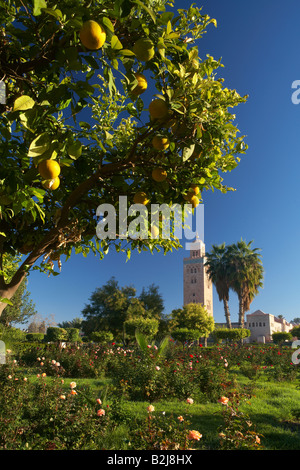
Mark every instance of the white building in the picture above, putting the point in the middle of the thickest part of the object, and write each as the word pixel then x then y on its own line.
pixel 263 325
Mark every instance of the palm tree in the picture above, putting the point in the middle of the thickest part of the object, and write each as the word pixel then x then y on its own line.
pixel 217 271
pixel 245 273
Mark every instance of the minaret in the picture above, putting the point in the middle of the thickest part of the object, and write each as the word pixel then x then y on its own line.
pixel 197 288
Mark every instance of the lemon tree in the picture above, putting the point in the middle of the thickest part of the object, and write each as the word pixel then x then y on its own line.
pixel 89 86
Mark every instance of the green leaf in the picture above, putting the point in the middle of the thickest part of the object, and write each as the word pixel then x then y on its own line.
pixel 169 27
pixel 141 341
pixel 39 145
pixel 4 300
pixel 115 42
pixel 75 150
pixel 163 345
pixel 56 13
pixel 23 102
pixel 150 12
pixel 37 7
pixel 108 24
pixel 187 152
pixel 127 52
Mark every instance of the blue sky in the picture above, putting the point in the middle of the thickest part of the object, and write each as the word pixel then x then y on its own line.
pixel 258 43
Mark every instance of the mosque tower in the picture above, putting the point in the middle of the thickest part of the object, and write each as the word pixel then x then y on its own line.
pixel 197 288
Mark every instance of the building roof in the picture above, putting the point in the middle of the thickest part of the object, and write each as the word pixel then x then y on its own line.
pixel 258 312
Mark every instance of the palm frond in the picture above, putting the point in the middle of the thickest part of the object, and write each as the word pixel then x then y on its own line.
pixel 141 340
pixel 163 345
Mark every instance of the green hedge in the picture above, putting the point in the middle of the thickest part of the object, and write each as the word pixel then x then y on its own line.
pixel 55 334
pixel 231 334
pixel 35 337
pixel 185 334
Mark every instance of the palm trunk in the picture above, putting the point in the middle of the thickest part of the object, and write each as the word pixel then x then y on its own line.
pixel 241 311
pixel 227 313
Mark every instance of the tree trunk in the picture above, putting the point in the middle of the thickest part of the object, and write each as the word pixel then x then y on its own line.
pixel 241 311
pixel 8 291
pixel 227 313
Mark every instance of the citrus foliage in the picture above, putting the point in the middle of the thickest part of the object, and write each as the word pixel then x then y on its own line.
pixel 89 111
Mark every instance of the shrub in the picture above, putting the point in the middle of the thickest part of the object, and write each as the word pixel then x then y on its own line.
pixel 102 337
pixel 161 432
pixel 147 326
pixel 73 335
pixel 231 334
pixel 55 334
pixel 280 337
pixel 184 334
pixel 35 337
pixel 47 415
pixel 296 331
pixel 11 335
pixel 237 432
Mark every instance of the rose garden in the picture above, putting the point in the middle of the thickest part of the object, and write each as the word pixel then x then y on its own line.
pixel 156 396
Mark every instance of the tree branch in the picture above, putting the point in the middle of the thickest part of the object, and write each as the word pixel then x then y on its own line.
pixel 104 171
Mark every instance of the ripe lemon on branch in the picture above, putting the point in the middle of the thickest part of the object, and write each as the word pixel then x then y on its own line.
pixel 141 85
pixel 159 175
pixel 49 169
pixel 160 143
pixel 140 198
pixel 158 109
pixel 51 184
pixel 143 49
pixel 92 35
pixel 192 199
pixel 194 189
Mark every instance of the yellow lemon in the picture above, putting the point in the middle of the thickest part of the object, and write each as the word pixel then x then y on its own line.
pixel 92 35
pixel 158 109
pixel 49 169
pixel 51 183
pixel 144 49
pixel 194 201
pixel 140 198
pixel 194 189
pixel 159 175
pixel 160 143
pixel 141 85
